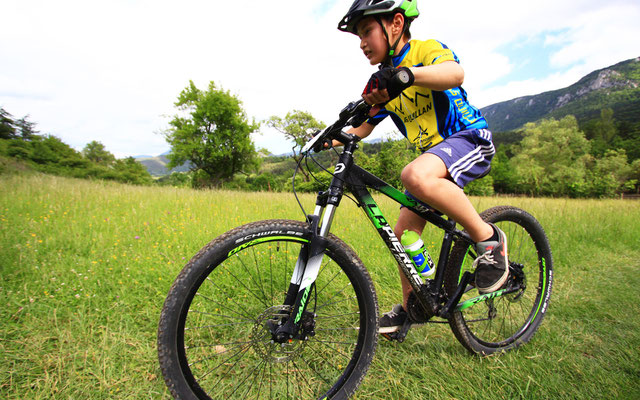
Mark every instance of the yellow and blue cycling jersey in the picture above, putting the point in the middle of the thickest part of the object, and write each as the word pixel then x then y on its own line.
pixel 425 116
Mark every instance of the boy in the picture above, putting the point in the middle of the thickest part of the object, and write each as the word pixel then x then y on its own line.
pixel 433 113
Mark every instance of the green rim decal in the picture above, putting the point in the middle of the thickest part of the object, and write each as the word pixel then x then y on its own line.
pixel 544 287
pixel 266 239
pixel 464 258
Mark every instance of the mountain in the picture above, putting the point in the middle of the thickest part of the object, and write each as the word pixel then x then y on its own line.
pixel 615 87
pixel 157 166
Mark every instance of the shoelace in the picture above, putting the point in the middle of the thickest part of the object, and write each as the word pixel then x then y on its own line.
pixel 486 256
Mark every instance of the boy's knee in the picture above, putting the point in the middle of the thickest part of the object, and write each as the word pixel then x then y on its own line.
pixel 413 177
pixel 409 176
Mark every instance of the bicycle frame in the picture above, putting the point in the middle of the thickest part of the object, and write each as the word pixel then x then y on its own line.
pixel 357 180
pixel 430 294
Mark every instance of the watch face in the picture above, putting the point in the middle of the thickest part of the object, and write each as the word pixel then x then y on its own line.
pixel 403 76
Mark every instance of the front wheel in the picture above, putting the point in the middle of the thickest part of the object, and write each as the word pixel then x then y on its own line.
pixel 215 337
pixel 487 324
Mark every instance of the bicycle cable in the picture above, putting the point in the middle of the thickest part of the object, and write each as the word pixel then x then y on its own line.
pixel 329 172
pixel 293 187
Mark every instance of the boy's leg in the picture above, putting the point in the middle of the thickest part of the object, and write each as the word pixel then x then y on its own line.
pixel 426 178
pixel 430 170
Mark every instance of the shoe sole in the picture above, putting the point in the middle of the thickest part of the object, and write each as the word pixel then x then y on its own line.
pixel 391 329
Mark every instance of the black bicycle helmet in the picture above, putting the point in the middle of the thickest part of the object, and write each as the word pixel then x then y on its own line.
pixel 364 8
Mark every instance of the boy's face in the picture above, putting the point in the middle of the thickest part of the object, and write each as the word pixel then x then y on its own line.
pixel 372 40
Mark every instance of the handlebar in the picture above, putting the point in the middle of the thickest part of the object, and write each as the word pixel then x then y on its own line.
pixel 354 114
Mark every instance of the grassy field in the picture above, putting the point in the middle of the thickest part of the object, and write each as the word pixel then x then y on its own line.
pixel 85 267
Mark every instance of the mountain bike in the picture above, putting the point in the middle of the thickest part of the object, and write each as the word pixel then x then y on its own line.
pixel 286 309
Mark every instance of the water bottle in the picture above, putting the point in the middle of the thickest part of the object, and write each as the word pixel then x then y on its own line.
pixel 414 246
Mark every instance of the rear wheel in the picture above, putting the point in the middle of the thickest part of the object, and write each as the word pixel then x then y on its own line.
pixel 215 337
pixel 508 320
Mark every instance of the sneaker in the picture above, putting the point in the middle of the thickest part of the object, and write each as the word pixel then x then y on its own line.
pixel 492 264
pixel 393 320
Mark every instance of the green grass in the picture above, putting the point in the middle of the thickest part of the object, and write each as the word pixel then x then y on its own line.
pixel 85 267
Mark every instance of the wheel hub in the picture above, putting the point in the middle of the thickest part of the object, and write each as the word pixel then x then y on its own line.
pixel 263 336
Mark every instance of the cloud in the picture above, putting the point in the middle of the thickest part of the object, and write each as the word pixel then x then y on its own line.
pixel 111 71
pixel 595 36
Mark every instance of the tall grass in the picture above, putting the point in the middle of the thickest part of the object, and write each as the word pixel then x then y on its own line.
pixel 85 266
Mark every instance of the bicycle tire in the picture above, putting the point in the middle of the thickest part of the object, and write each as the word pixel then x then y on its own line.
pixel 213 340
pixel 508 321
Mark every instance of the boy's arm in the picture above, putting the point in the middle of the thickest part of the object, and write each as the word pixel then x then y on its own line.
pixel 440 77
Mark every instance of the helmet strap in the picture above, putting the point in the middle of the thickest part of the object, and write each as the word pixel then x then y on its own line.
pixel 392 49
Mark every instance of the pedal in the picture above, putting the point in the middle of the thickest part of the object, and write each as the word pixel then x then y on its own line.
pixel 397 333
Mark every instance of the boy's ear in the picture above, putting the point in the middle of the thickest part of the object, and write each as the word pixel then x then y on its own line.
pixel 397 23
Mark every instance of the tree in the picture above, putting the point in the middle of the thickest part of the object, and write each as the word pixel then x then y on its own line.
pixel 388 162
pixel 611 174
pixel 130 171
pixel 26 128
pixel 551 159
pixel 502 171
pixel 604 133
pixel 634 176
pixel 297 126
pixel 213 133
pixel 7 125
pixel 96 152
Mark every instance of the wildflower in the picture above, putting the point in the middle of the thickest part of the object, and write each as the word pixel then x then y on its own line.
pixel 137 237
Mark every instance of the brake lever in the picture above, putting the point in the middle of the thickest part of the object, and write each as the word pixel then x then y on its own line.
pixel 312 144
pixel 324 144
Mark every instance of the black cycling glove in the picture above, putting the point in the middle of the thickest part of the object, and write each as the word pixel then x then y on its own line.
pixel 395 80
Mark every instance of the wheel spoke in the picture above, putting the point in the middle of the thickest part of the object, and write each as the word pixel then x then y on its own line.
pixel 501 323
pixel 228 327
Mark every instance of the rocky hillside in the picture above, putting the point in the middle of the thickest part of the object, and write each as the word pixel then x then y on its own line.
pixel 615 87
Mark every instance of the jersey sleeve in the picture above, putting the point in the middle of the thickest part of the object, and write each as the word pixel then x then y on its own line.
pixel 376 119
pixel 432 52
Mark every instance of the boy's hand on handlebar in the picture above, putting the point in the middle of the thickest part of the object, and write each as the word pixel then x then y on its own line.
pixel 386 85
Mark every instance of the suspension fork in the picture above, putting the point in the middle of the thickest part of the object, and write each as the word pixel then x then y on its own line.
pixel 311 254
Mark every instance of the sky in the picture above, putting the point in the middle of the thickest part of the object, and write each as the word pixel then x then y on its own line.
pixel 111 71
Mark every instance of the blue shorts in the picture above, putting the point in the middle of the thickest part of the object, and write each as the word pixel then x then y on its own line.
pixel 466 154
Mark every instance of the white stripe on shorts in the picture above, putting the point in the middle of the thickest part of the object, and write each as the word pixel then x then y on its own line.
pixel 467 162
pixel 485 134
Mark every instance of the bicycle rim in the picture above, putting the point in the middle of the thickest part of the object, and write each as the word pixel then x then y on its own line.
pixel 225 348
pixel 508 320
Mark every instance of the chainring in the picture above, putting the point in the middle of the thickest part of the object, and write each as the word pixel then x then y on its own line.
pixel 416 311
